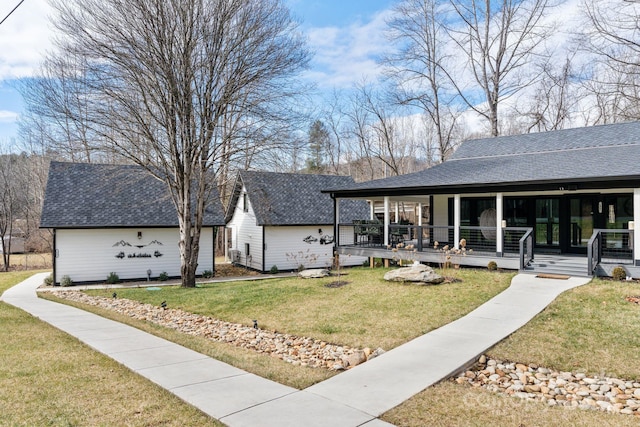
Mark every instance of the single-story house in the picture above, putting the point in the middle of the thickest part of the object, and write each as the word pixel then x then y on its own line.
pixel 117 218
pixel 559 201
pixel 284 221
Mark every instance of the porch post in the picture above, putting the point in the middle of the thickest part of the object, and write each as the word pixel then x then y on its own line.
pixel 419 233
pixel 499 230
pixel 372 209
pixel 456 221
pixel 386 220
pixel 636 221
pixel 336 223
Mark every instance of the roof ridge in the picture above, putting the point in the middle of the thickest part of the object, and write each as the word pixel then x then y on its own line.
pixel 560 150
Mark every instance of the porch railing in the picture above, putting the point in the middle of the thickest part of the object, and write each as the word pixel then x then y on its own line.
pixel 525 245
pixel 609 245
pixel 423 237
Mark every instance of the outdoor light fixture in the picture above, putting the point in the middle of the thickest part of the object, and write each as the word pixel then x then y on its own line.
pixel 319 230
pixel 139 234
pixel 503 223
pixel 148 275
pixel 255 324
pixel 631 225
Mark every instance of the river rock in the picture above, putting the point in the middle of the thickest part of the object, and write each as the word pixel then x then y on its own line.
pixel 417 273
pixel 314 273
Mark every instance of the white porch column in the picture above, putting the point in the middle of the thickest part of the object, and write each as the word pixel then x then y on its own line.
pixel 372 209
pixel 397 212
pixel 386 220
pixel 456 221
pixel 420 214
pixel 636 222
pixel 499 230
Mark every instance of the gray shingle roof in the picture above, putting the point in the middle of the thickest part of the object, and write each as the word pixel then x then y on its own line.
pixel 86 195
pixel 295 199
pixel 590 154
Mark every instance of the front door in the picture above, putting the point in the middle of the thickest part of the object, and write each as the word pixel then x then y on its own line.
pixel 583 218
pixel 547 223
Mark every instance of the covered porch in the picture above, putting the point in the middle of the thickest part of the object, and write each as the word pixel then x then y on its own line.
pixel 561 231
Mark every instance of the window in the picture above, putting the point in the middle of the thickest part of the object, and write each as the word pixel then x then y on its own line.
pixel 245 202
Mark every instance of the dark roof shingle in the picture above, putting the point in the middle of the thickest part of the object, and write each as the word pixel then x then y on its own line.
pixel 295 199
pixel 597 153
pixel 87 195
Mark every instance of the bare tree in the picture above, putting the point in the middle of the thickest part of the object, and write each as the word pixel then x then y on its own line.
pixel 417 69
pixel 169 84
pixel 610 35
pixel 500 40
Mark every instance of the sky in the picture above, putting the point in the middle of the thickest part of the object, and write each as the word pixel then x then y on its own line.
pixel 346 37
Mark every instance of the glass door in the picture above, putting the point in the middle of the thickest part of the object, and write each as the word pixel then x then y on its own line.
pixel 581 222
pixel 548 223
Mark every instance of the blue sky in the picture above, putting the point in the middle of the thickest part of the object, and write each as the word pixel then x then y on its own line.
pixel 346 36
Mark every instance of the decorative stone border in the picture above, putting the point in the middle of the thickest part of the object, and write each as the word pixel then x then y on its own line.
pixel 554 388
pixel 299 351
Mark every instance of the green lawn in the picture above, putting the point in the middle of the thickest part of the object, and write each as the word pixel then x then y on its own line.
pixel 366 312
pixel 589 329
pixel 48 378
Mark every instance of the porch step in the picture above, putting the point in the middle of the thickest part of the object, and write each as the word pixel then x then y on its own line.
pixel 571 267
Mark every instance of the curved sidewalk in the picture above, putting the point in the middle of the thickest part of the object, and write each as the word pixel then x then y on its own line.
pixel 350 399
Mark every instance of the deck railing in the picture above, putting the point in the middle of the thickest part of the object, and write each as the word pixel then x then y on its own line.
pixel 611 245
pixel 424 237
pixel 525 245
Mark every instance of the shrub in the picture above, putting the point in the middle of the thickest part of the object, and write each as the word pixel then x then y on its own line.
pixel 163 276
pixel 48 280
pixel 300 267
pixel 492 266
pixel 619 273
pixel 207 274
pixel 274 269
pixel 66 281
pixel 113 278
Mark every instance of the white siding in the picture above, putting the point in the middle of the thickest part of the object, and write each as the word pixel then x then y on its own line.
pixel 244 230
pixel 286 248
pixel 90 255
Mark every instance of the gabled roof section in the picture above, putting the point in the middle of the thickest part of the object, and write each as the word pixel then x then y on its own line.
pixel 88 195
pixel 294 199
pixel 586 157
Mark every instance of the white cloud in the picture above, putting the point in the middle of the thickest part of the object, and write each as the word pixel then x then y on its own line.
pixel 8 116
pixel 345 55
pixel 24 37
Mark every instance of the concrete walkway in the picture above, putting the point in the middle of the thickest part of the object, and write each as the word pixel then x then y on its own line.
pixel 353 398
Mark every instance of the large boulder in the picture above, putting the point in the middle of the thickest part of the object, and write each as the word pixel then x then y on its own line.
pixel 315 273
pixel 417 273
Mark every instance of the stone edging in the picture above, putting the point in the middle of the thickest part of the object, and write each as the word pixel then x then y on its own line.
pixel 554 388
pixel 299 351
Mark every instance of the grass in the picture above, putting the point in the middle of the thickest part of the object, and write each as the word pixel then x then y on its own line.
pixel 589 329
pixel 366 312
pixel 448 404
pixel 50 378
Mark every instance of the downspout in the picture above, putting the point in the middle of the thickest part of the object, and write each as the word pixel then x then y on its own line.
pixel 55 256
pixel 264 250
pixel 636 223
pixel 499 229
pixel 456 221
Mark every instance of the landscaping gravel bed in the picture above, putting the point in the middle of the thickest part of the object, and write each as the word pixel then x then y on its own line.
pixel 302 351
pixel 532 382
